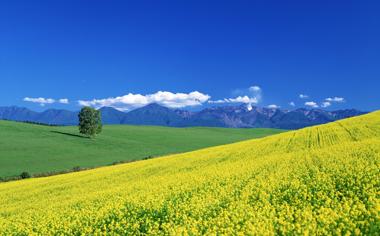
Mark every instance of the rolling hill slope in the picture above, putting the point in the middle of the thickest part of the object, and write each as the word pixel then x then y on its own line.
pixel 318 180
pixel 40 149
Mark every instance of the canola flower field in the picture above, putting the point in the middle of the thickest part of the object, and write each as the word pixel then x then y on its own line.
pixel 320 180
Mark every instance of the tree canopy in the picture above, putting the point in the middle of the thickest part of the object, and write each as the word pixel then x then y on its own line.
pixel 90 123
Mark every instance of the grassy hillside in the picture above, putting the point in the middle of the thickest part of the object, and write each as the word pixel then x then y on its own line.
pixel 37 149
pixel 318 180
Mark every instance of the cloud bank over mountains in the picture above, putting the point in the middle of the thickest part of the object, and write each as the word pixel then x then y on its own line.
pixel 253 97
pixel 250 96
pixel 131 101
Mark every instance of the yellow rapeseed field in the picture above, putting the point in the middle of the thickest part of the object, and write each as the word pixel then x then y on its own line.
pixel 320 180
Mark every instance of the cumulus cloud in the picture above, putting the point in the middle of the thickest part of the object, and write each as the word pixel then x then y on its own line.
pixel 63 101
pixel 252 96
pixel 254 88
pixel 326 104
pixel 40 100
pixel 44 101
pixel 239 99
pixel 292 104
pixel 168 99
pixel 273 106
pixel 311 104
pixel 303 96
pixel 335 99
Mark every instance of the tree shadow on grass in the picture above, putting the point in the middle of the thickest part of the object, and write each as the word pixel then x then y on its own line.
pixel 69 134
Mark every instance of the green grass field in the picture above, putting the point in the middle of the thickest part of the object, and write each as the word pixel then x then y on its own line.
pixel 39 149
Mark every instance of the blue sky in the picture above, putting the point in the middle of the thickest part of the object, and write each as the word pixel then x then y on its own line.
pixel 122 53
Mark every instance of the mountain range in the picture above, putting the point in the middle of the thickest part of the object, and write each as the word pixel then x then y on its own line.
pixel 222 116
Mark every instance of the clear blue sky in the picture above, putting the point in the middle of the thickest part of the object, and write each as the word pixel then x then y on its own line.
pixel 81 50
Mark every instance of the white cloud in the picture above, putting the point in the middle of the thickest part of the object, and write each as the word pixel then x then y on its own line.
pixel 44 101
pixel 41 101
pixel 218 101
pixel 292 104
pixel 335 99
pixel 254 88
pixel 311 104
pixel 273 106
pixel 326 104
pixel 254 97
pixel 168 99
pixel 63 101
pixel 303 96
pixel 239 99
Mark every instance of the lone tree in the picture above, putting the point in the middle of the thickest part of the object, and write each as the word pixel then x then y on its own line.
pixel 90 123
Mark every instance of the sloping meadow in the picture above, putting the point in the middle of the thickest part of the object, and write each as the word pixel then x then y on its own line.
pixel 319 180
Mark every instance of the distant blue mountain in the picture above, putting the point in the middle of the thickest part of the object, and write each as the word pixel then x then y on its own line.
pixel 111 115
pixel 50 116
pixel 154 114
